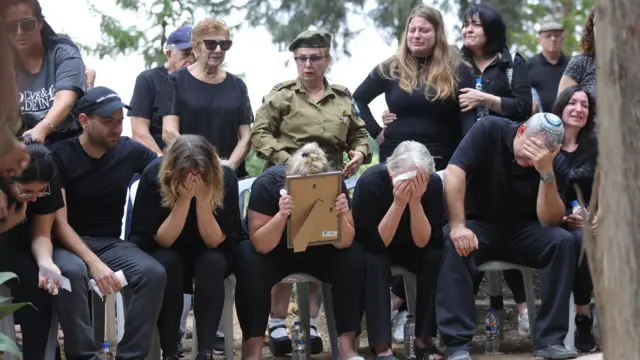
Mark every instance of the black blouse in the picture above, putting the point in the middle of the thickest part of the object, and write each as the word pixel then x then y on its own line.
pixel 148 214
pixel 582 164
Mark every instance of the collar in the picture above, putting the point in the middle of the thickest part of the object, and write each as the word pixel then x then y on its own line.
pixel 561 60
pixel 510 135
pixel 328 91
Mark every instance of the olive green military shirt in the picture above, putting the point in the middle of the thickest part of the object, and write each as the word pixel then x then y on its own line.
pixel 288 119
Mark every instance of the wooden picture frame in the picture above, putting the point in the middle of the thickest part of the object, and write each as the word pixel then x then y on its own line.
pixel 314 220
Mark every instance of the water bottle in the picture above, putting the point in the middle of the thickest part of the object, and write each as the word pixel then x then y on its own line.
pixel 105 352
pixel 410 338
pixel 298 342
pixel 481 111
pixel 577 209
pixel 492 337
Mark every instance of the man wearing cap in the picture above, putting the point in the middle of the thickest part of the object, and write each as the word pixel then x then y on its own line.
pixel 503 189
pixel 296 112
pixel 546 68
pixel 146 124
pixel 94 170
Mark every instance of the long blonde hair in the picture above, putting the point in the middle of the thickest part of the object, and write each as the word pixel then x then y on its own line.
pixel 309 159
pixel 440 71
pixel 188 153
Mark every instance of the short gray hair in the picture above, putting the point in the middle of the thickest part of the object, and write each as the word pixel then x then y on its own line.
pixel 411 153
pixel 546 126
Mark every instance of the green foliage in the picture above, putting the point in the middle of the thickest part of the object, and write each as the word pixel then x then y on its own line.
pixel 7 308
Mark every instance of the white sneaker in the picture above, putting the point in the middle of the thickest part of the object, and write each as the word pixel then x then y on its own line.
pixel 523 324
pixel 398 326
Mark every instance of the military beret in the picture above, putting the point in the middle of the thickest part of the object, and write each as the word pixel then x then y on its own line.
pixel 311 39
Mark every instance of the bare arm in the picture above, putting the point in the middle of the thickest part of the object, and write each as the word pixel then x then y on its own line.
pixel 242 147
pixel 170 128
pixel 455 181
pixel 348 230
pixel 70 239
pixel 172 226
pixel 62 105
pixel 140 133
pixel 207 225
pixel 389 224
pixel 565 82
pixel 265 231
pixel 549 206
pixel 420 226
pixel 41 246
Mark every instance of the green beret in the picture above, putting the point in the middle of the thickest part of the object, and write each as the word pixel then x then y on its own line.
pixel 311 39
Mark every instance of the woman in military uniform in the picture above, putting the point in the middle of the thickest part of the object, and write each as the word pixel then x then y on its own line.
pixel 297 112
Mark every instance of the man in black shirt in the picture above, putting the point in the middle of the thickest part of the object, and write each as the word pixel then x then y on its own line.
pixel 513 180
pixel 546 68
pixel 146 124
pixel 94 170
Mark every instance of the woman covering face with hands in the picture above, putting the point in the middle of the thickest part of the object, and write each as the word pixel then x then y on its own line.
pixel 397 211
pixel 186 216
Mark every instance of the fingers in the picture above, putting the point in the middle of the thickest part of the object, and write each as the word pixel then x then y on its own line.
pixel 103 285
pixel 115 282
pixel 465 90
pixel 286 204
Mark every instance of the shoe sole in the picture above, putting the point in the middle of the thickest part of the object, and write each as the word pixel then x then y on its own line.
pixel 280 347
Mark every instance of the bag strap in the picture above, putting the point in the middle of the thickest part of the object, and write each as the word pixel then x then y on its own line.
pixel 510 70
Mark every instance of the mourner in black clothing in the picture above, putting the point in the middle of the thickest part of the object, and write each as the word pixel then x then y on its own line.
pixel 25 243
pixel 186 216
pixel 264 259
pixel 400 223
pixel 421 84
pixel 504 192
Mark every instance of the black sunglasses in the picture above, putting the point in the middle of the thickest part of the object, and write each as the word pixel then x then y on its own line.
pixel 25 25
pixel 212 45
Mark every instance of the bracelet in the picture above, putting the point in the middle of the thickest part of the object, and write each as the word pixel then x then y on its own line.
pixel 50 125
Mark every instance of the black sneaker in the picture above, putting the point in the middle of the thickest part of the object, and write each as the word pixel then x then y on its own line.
pixel 316 343
pixel 169 357
pixel 585 341
pixel 180 348
pixel 279 346
pixel 555 352
pixel 218 346
pixel 205 355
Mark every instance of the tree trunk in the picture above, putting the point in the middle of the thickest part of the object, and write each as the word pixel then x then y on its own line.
pixel 615 255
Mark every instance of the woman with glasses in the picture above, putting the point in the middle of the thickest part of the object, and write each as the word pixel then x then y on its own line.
pixel 50 72
pixel 25 244
pixel 295 113
pixel 204 99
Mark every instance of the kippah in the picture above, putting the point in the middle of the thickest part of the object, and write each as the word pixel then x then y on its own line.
pixel 549 122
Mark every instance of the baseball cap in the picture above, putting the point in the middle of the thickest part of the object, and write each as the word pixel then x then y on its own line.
pixel 180 38
pixel 101 101
pixel 550 26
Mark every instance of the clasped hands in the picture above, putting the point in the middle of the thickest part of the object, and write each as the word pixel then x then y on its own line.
pixel 410 191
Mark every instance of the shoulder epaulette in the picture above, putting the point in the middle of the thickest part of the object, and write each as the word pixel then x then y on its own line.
pixel 342 89
pixel 283 85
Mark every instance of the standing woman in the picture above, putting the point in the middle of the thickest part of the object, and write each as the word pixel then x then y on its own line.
pixel 186 215
pixel 582 67
pixel 203 99
pixel 421 84
pixel 50 73
pixel 504 80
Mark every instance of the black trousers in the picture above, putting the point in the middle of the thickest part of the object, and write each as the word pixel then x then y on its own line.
pixel 550 249
pixel 146 280
pixel 34 319
pixel 256 274
pixel 209 269
pixel 424 262
pixel 582 283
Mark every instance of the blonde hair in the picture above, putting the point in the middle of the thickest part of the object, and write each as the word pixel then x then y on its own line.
pixel 440 71
pixel 411 154
pixel 188 153
pixel 309 159
pixel 208 27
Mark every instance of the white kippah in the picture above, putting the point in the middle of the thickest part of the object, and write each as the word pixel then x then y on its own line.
pixel 549 122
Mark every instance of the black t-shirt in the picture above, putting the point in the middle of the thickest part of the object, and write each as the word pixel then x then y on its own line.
pixel 498 189
pixel 545 78
pixel 96 189
pixel 144 101
pixel 214 111
pixel 372 199
pixel 436 124
pixel 265 195
pixel 582 164
pixel 148 213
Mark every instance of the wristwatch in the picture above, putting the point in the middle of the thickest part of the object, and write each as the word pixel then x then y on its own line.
pixel 548 178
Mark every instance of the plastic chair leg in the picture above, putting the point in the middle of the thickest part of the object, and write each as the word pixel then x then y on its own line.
pixel 569 340
pixel 331 321
pixel 530 293
pixel 227 319
pixel 495 290
pixel 304 312
pixel 411 293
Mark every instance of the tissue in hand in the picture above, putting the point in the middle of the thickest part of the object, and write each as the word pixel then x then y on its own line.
pixel 405 176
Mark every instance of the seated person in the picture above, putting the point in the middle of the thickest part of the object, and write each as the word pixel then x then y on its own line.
pixel 264 260
pixel 25 242
pixel 400 224
pixel 94 170
pixel 503 190
pixel 186 215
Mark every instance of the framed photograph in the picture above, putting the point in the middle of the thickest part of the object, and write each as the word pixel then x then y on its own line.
pixel 314 220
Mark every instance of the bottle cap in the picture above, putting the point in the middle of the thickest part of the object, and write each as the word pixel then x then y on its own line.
pixel 492 310
pixel 298 323
pixel 106 345
pixel 575 203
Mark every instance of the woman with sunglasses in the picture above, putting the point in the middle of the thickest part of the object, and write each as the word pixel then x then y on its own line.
pixel 25 244
pixel 50 72
pixel 203 99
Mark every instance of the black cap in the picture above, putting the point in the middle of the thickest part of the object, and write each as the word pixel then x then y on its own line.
pixel 311 39
pixel 101 101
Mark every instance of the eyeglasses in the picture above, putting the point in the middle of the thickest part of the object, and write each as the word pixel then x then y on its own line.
pixel 302 60
pixel 31 195
pixel 25 25
pixel 212 45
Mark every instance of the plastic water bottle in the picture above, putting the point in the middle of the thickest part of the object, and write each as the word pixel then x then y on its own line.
pixel 105 352
pixel 492 337
pixel 481 111
pixel 298 342
pixel 577 209
pixel 410 338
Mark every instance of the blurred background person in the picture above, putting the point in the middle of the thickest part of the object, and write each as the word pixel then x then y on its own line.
pixel 581 69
